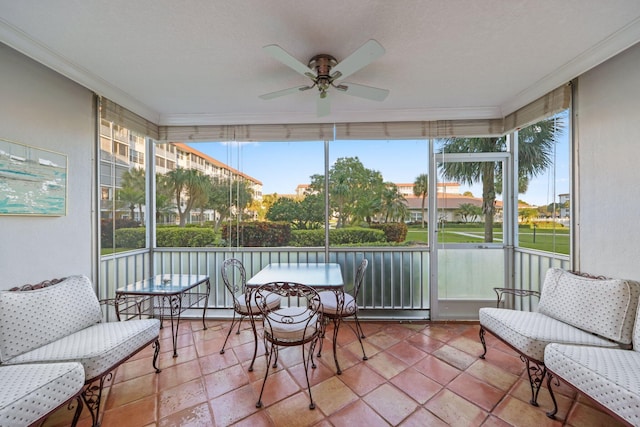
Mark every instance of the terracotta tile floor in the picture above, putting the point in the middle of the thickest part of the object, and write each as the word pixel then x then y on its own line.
pixel 418 374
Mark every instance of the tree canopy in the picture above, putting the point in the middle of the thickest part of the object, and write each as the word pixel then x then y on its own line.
pixel 304 214
pixel 358 194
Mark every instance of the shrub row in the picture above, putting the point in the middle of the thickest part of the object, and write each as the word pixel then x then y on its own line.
pixel 393 231
pixel 339 236
pixel 106 229
pixel 258 234
pixel 166 237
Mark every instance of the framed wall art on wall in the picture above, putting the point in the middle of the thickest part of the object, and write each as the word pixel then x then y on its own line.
pixel 33 181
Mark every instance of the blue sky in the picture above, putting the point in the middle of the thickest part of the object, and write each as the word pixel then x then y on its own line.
pixel 281 166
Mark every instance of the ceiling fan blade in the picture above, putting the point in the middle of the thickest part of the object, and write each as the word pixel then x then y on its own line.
pixel 283 56
pixel 284 92
pixel 362 57
pixel 362 91
pixel 323 106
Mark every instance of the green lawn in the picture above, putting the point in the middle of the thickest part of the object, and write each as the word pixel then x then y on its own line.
pixel 550 240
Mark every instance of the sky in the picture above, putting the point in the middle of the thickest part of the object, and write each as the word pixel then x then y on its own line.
pixel 281 166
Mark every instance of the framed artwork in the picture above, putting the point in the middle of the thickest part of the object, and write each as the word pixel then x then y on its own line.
pixel 33 181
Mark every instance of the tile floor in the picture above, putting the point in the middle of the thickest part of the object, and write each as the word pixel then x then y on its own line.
pixel 418 374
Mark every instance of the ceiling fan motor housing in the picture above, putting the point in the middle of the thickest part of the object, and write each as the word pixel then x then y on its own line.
pixel 322 64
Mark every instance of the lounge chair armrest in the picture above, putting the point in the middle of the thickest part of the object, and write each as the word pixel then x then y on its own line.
pixel 516 292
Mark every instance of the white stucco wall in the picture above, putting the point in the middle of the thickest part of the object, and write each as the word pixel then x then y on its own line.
pixel 38 107
pixel 609 167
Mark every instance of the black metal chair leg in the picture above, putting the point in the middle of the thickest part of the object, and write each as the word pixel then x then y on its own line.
pixel 536 373
pixel 255 339
pixel 76 415
pixel 266 374
pixel 359 329
pixel 484 345
pixel 360 338
pixel 325 322
pixel 550 377
pixel 336 328
pixel 92 397
pixel 233 322
pixel 306 361
pixel 156 353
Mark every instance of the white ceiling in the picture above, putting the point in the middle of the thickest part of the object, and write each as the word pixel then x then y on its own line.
pixel 201 61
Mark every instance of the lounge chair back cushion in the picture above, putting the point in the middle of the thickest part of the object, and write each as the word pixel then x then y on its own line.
pixel 606 307
pixel 32 319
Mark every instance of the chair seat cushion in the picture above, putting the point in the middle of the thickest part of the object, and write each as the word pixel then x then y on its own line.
pixel 98 348
pixel 291 324
pixel 609 376
pixel 329 302
pixel 531 332
pixel 273 302
pixel 29 392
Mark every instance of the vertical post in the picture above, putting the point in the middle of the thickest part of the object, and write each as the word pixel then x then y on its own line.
pixel 574 196
pixel 432 229
pixel 326 197
pixel 96 204
pixel 150 200
pixel 511 236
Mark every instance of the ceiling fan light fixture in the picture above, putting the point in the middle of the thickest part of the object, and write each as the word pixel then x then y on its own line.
pixel 323 83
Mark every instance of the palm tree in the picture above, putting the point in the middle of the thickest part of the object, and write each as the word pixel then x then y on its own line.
pixel 421 189
pixel 535 148
pixel 394 205
pixel 133 190
pixel 129 198
pixel 188 187
pixel 229 196
pixel 165 207
pixel 468 212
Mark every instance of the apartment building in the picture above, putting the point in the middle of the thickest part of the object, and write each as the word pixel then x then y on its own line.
pixel 122 150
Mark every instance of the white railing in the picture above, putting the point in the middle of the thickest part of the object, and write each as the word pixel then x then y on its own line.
pixel 396 284
pixel 396 280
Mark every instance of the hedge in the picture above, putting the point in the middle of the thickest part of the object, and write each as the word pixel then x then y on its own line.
pixel 253 234
pixel 394 231
pixel 190 237
pixel 166 237
pixel 258 234
pixel 338 236
pixel 106 229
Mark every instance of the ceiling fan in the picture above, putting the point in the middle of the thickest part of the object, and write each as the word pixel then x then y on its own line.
pixel 326 72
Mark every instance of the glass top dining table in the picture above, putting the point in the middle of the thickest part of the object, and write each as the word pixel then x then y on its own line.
pixel 316 275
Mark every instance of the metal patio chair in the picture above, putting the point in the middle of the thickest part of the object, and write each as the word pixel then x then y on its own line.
pixel 298 324
pixel 234 277
pixel 338 306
